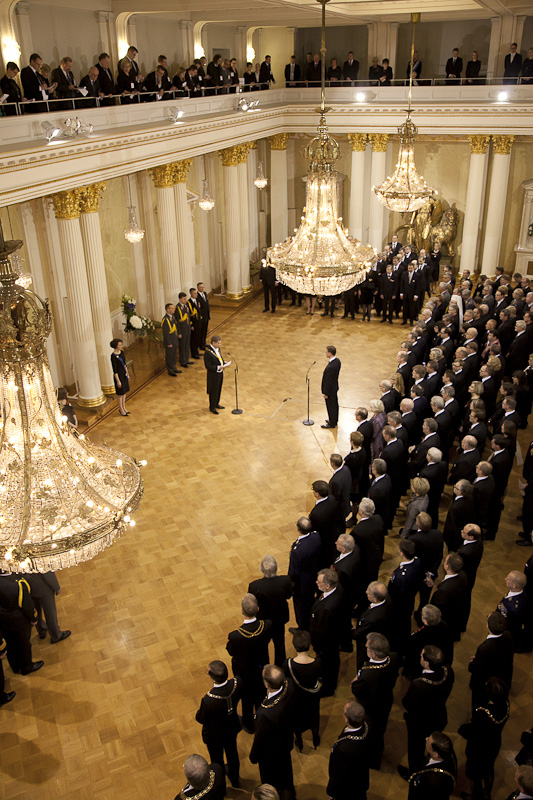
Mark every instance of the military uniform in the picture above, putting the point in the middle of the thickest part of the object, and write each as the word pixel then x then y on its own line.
pixel 17 613
pixel 183 323
pixel 194 316
pixel 170 341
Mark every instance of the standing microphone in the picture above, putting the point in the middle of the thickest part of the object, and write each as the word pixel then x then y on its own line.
pixel 236 410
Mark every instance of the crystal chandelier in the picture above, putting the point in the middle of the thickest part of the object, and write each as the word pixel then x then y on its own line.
pixel 62 499
pixel 321 258
pixel 207 202
pixel 406 190
pixel 260 180
pixel 133 233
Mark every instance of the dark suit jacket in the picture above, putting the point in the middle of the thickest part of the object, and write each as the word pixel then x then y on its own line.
pixel 465 467
pixel 324 625
pixel 249 649
pixel 512 69
pixel 483 491
pixel 454 69
pixel 325 520
pixel 218 712
pixel 349 569
pixel 460 513
pixel 218 790
pixel 93 90
pixel 380 492
pixel 272 595
pixel 411 422
pixel 340 485
pixel 204 306
pixel 297 73
pixel 367 429
pixel 429 549
pixel 494 658
pixel 436 474
pixel 304 563
pixel 394 456
pixel 518 353
pixel 330 378
pixel 11 88
pixel 273 738
pixel 379 619
pixel 369 536
pixel 471 554
pixel 63 83
pixel 105 79
pixel 31 84
pixel 265 73
pixel 452 596
pixel 349 764
pixel 350 71
pixel 42 584
pixel 417 459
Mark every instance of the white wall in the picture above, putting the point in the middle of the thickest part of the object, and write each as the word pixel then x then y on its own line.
pixel 58 32
pixel 220 39
pixel 159 34
pixel 338 42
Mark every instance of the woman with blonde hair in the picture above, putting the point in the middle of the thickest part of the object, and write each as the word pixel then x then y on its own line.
pixel 379 420
pixel 419 502
pixel 398 383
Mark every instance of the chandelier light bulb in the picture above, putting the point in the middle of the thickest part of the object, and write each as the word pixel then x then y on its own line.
pixel 206 202
pixel 133 233
pixel 260 181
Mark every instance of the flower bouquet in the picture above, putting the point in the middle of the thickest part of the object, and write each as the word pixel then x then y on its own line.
pixel 139 326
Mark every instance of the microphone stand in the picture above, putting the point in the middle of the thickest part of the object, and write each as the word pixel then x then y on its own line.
pixel 308 381
pixel 236 410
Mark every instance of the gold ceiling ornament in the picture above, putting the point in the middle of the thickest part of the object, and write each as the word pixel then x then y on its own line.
pixel 279 140
pixel 406 190
pixel 230 156
pixel 478 144
pixel 321 258
pixel 358 141
pixel 379 141
pixel 502 145
pixel 62 499
pixel 163 176
pixel 181 169
pixel 90 197
pixel 66 204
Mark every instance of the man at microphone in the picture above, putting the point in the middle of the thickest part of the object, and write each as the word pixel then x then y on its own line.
pixel 330 386
pixel 215 366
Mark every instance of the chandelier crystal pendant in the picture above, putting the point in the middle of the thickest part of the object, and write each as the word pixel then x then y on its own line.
pixel 62 499
pixel 133 233
pixel 321 258
pixel 260 181
pixel 206 202
pixel 406 190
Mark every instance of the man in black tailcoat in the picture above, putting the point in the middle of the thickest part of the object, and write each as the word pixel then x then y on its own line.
pixel 330 386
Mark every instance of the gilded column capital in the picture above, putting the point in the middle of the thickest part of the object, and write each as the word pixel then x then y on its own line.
pixel 230 156
pixel 90 197
pixel 502 145
pixel 279 141
pixel 181 169
pixel 66 204
pixel 358 141
pixel 478 145
pixel 163 176
pixel 252 145
pixel 379 141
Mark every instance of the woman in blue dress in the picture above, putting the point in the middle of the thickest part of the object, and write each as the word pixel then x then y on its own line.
pixel 120 375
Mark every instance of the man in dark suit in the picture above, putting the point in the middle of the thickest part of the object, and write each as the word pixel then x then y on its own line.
pixel 452 596
pixel 313 71
pixel 265 73
pixel 428 544
pixel 369 534
pixel 44 588
pixel 349 567
pixel 389 397
pixel 105 79
pixel 403 587
pixel 267 276
pixel 436 776
pixel 207 781
pixel 364 426
pixel 325 628
pixel 464 467
pixel 512 65
pixel 388 292
pixel 380 493
pixel 471 551
pixel 417 458
pixel 350 68
pixel 409 294
pixel 373 687
pixel 478 429
pixel 404 369
pixel 272 592
pixel 340 485
pixel 410 421
pixel 394 455
pixel 330 386
pixel 377 618
pixel 219 720
pixel 350 756
pixel 519 349
pixel 273 740
pixel 502 462
pixel 292 73
pixel 248 648
pixel 494 658
pixel 482 491
pixel 460 513
pixel 516 608
pixel 303 567
pixel 435 472
pixel 67 90
pixel 157 83
pixel 94 93
pixel 324 518
pixel 454 67
pixel 34 85
pixel 135 72
pixel 9 86
pixel 215 366
pixel 205 314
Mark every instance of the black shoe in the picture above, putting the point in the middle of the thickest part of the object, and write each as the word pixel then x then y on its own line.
pixel 265 310
pixel 172 374
pixel 42 634
pixel 219 406
pixel 524 543
pixel 522 535
pixel 382 321
pixel 64 635
pixel 316 740
pixel 185 366
pixel 298 741
pixel 404 772
pixel 324 314
pixel 213 411
pixel 328 426
pixel 273 311
pixel 34 667
pixel 196 357
pixel 294 630
pixel 178 372
pixel 9 698
pixel 190 363
pixel 404 323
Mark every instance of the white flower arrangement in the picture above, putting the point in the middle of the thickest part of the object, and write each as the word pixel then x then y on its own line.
pixel 135 322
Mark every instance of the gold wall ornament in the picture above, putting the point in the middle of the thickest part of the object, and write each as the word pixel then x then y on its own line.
pixel 502 145
pixel 252 145
pixel 66 204
pixel 163 176
pixel 279 141
pixel 379 141
pixel 230 156
pixel 181 169
pixel 90 197
pixel 478 145
pixel 358 141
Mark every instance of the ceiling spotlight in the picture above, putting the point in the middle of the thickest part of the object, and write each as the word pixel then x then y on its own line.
pixel 502 96
pixel 246 104
pixel 175 115
pixel 360 97
pixel 50 132
pixel 68 129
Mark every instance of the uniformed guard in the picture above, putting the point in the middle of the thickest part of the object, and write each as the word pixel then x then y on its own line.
pixel 183 322
pixel 170 339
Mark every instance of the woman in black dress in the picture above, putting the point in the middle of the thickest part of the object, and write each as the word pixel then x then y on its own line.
pixel 306 673
pixel 120 375
pixel 356 461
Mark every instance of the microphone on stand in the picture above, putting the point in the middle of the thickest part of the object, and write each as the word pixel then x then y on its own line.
pixel 308 421
pixel 236 410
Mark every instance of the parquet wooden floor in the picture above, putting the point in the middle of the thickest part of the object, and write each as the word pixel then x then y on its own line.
pixel 111 715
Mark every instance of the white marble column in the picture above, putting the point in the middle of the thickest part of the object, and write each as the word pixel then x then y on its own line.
pixel 164 178
pixel 357 181
pixel 501 162
pixel 184 225
pixel 475 193
pixel 154 290
pixel 96 277
pixel 22 16
pixel 279 202
pixel 376 225
pixel 253 202
pixel 230 158
pixel 245 221
pixel 82 341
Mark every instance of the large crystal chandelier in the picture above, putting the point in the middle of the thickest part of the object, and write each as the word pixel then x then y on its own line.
pixel 206 202
pixel 133 233
pixel 321 258
pixel 62 499
pixel 406 190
